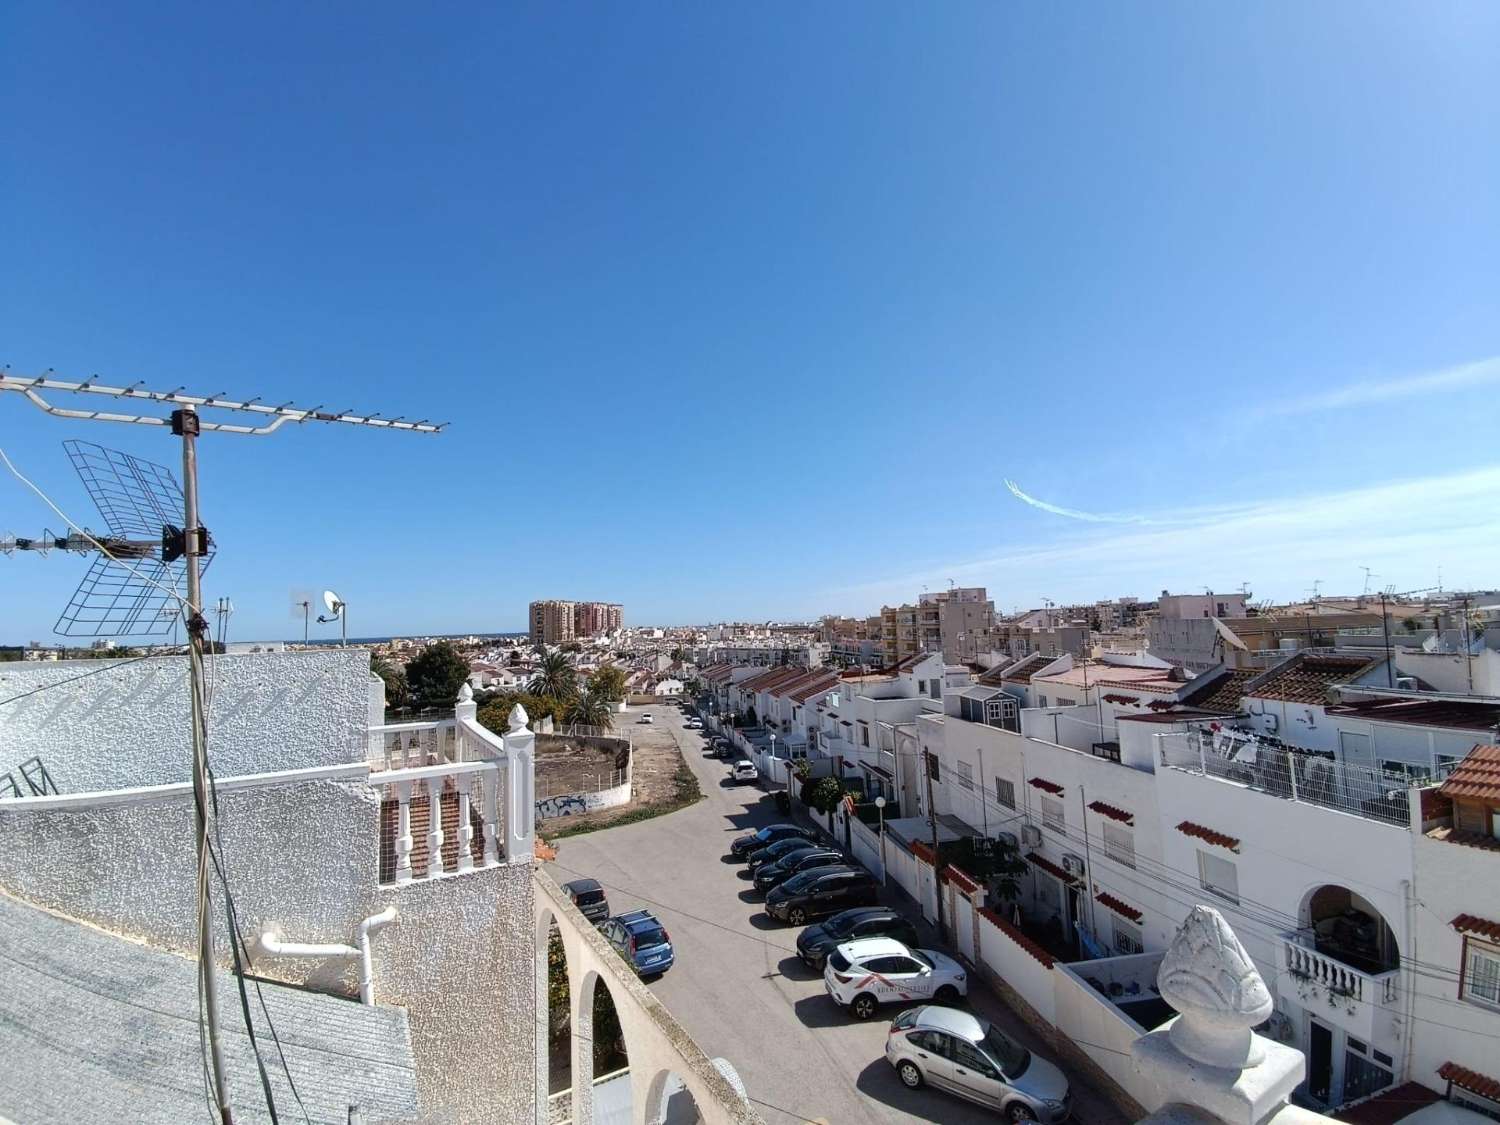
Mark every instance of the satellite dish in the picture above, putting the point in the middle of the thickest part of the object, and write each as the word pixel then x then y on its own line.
pixel 332 601
pixel 336 609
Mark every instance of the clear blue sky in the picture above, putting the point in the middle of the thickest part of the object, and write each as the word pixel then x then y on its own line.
pixel 750 311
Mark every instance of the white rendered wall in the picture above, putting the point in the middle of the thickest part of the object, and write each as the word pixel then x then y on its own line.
pixel 127 725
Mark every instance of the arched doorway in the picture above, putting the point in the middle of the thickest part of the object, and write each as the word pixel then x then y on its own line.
pixel 601 1063
pixel 1347 927
pixel 670 1102
pixel 554 1030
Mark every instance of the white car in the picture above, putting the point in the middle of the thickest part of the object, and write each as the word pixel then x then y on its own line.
pixel 694 724
pixel 645 719
pixel 861 975
pixel 744 770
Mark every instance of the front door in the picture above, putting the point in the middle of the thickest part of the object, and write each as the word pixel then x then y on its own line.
pixel 1319 1061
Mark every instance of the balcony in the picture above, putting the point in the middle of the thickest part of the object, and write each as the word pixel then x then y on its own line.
pixel 1365 1005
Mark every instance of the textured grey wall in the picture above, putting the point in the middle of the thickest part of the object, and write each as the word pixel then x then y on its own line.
pixel 128 725
pixel 303 860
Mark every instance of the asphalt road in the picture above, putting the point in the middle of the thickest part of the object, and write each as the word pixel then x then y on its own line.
pixel 738 986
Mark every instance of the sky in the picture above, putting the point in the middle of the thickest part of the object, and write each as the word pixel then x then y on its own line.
pixel 754 312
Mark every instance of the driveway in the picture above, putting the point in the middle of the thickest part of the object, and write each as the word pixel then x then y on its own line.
pixel 738 986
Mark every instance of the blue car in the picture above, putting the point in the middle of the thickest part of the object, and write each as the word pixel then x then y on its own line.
pixel 641 940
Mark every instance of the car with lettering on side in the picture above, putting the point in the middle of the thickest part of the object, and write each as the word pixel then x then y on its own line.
pixel 863 974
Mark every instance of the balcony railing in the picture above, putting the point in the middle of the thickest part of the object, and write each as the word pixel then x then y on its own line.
pixel 1362 1004
pixel 1296 776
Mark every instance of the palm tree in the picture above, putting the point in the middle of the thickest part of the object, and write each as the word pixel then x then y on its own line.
pixel 555 677
pixel 589 709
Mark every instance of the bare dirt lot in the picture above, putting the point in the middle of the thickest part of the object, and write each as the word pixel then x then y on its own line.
pixel 566 765
pixel 661 780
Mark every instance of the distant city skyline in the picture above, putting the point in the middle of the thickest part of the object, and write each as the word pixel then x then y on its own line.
pixel 732 322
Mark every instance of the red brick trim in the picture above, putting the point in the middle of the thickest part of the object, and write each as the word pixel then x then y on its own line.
pixel 1114 812
pixel 924 852
pixel 1050 786
pixel 1017 936
pixel 1050 868
pixel 1208 835
pixel 1124 910
pixel 1471 1080
pixel 1473 924
pixel 961 879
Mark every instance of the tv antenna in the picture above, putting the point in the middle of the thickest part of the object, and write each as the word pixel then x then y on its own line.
pixel 1369 574
pixel 336 607
pixel 192 550
pixel 302 607
pixel 224 610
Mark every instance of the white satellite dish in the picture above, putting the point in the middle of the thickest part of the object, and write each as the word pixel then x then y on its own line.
pixel 336 607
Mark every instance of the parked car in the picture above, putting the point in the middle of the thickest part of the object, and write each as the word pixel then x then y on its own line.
pixel 865 973
pixel 815 943
pixel 773 874
pixel 588 896
pixel 742 846
pixel 744 770
pixel 645 719
pixel 641 940
pixel 819 891
pixel 771 853
pixel 968 1056
pixel 693 724
pixel 726 752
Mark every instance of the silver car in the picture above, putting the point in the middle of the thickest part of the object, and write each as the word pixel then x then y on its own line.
pixel 964 1055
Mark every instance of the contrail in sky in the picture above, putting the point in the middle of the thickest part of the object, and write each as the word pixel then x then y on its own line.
pixel 1070 513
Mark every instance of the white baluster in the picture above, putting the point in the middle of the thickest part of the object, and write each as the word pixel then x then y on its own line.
pixel 520 788
pixel 489 813
pixel 435 826
pixel 465 828
pixel 403 832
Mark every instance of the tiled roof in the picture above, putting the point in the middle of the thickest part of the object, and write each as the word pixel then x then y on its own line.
pixel 1049 867
pixel 1042 783
pixel 961 878
pixel 1478 840
pixel 1307 677
pixel 1092 674
pixel 825 682
pixel 1017 936
pixel 1123 909
pixel 1477 776
pixel 1223 695
pixel 1112 812
pixel 1021 674
pixel 1471 1080
pixel 1473 924
pixel 1389 1107
pixel 1424 712
pixel 1220 839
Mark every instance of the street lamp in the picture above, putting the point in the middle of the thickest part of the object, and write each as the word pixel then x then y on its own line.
pixel 773 755
pixel 880 807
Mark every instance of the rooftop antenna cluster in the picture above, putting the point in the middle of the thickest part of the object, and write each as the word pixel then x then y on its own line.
pixel 139 502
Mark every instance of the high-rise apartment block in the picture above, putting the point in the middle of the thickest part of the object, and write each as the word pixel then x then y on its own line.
pixel 556 622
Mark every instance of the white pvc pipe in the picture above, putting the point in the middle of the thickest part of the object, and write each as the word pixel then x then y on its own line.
pixel 272 944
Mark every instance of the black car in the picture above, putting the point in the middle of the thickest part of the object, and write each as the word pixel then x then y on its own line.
pixel 819 891
pixel 744 845
pixel 588 896
pixel 773 874
pixel 773 853
pixel 816 942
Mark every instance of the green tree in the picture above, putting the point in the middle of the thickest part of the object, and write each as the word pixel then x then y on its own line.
pixel 397 691
pixel 588 709
pixel 679 655
pixel 554 676
pixel 608 683
pixel 435 675
pixel 822 793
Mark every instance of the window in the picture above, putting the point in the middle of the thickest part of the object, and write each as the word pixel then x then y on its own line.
pixel 1127 937
pixel 1218 876
pixel 1005 792
pixel 921 687
pixel 965 775
pixel 966 1055
pixel 935 689
pixel 932 766
pixel 1482 973
pixel 1061 702
pixel 1041 701
pixel 1053 815
pixel 1119 844
pixel 864 735
pixel 934 1041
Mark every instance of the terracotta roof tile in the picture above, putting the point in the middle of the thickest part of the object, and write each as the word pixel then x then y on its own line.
pixel 1307 677
pixel 1017 936
pixel 1022 673
pixel 1424 712
pixel 1050 868
pixel 1113 812
pixel 1471 1080
pixel 1478 775
pixel 1123 909
pixel 964 881
pixel 1467 839
pixel 1049 786
pixel 1223 695
pixel 1188 828
pixel 1473 924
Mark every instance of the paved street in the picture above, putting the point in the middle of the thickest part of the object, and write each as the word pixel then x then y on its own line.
pixel 738 986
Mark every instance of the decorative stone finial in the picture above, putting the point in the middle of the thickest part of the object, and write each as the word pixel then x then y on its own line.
pixel 1219 994
pixel 517 719
pixel 465 693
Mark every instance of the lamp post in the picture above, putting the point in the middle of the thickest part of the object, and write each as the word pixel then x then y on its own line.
pixel 880 806
pixel 773 755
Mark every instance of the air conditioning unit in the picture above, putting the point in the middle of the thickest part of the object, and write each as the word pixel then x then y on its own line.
pixel 1073 864
pixel 1008 839
pixel 1273 722
pixel 1031 836
pixel 1406 683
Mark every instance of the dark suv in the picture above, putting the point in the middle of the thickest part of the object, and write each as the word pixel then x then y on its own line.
pixel 772 853
pixel 588 896
pixel 819 891
pixel 773 874
pixel 744 845
pixel 815 943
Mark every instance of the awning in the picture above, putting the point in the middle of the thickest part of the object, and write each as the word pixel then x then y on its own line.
pixel 881 770
pixel 1471 1080
pixel 1473 924
pixel 1049 867
pixel 1050 786
pixel 1112 812
pixel 1219 839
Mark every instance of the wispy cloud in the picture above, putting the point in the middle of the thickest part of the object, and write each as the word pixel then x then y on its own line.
pixel 1479 373
pixel 1403 528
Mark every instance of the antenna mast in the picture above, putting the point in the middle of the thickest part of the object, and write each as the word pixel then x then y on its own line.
pixel 186 424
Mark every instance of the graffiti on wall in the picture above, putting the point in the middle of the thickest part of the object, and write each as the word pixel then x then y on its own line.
pixel 572 804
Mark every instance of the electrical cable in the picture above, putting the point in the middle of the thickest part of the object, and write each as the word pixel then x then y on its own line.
pixel 106 666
